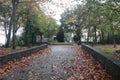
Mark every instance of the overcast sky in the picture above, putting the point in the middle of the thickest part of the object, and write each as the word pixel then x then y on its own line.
pixel 57 7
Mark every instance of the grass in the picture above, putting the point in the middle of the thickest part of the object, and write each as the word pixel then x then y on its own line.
pixel 109 49
pixel 60 43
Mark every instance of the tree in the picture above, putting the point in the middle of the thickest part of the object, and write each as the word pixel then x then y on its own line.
pixel 98 18
pixel 6 14
pixel 60 35
pixel 16 16
pixel 49 27
pixel 46 25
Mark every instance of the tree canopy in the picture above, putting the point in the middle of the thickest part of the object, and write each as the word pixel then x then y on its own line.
pixel 100 19
pixel 28 14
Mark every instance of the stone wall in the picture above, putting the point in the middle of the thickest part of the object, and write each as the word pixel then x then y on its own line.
pixel 112 66
pixel 17 55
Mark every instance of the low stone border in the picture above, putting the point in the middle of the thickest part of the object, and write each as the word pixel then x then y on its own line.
pixel 17 55
pixel 60 43
pixel 112 66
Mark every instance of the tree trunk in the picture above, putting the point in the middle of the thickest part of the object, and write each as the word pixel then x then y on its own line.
pixel 88 34
pixel 9 33
pixel 14 4
pixel 33 39
pixel 41 37
pixel 78 34
pixel 114 42
pixel 26 34
pixel 95 36
pixel 102 36
pixel 27 29
pixel 26 39
pixel 5 24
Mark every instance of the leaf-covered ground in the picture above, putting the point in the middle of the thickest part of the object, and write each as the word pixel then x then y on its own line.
pixel 5 51
pixel 7 69
pixel 86 68
pixel 58 62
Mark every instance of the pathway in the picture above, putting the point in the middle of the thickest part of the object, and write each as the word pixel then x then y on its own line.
pixel 46 67
pixel 56 65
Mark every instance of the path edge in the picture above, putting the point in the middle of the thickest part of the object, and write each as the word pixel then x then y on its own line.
pixel 110 65
pixel 19 54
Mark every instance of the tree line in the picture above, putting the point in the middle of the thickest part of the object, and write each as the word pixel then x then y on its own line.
pixel 26 14
pixel 100 20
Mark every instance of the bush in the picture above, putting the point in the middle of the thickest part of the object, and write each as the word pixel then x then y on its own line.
pixel 60 35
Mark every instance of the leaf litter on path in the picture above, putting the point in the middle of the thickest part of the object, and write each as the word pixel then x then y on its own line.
pixel 7 68
pixel 86 68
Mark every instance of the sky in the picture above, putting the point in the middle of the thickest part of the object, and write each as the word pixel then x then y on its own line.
pixel 54 8
pixel 57 7
pixel 2 35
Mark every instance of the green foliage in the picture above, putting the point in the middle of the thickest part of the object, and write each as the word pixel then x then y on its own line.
pixel 60 35
pixel 100 20
pixel 76 39
pixel 29 15
pixel 50 27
